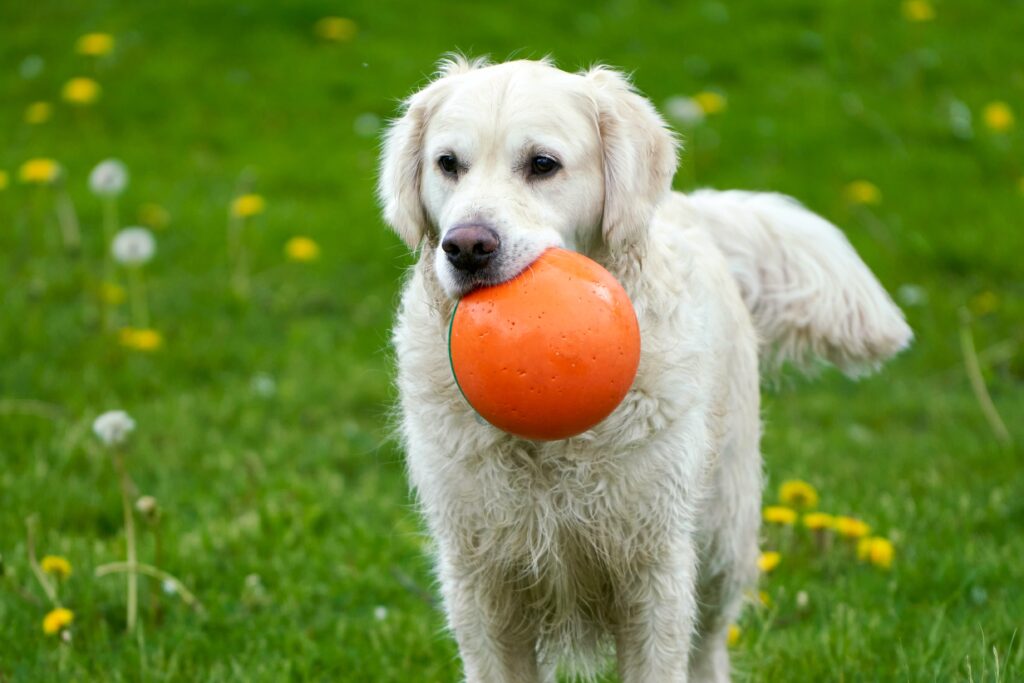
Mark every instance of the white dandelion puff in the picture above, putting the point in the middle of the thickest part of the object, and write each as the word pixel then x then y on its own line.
pixel 109 178
pixel 684 109
pixel 133 246
pixel 113 427
pixel 380 613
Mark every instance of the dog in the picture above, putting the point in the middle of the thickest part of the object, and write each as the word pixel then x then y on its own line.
pixel 641 534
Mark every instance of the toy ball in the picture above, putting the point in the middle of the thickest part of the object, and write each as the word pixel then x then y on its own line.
pixel 550 353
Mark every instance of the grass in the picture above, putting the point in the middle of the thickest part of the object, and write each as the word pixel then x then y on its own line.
pixel 287 511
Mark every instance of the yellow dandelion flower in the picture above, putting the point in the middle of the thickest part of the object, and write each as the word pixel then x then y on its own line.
pixel 247 205
pixel 851 527
pixel 112 293
pixel 154 215
pixel 776 514
pixel 710 102
pixel 40 171
pixel 733 636
pixel 56 620
pixel 38 112
pixel 56 565
pixel 818 520
pixel 95 44
pixel 918 10
pixel 798 493
pixel 302 249
pixel 863 192
pixel 984 303
pixel 140 339
pixel 880 552
pixel 81 91
pixel 335 29
pixel 4 180
pixel 768 561
pixel 998 117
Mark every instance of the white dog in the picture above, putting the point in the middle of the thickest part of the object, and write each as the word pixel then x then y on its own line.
pixel 641 533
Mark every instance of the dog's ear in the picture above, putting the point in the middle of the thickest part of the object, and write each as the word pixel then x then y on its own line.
pixel 401 162
pixel 398 184
pixel 639 155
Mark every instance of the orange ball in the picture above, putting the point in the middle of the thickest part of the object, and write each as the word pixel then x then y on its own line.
pixel 550 353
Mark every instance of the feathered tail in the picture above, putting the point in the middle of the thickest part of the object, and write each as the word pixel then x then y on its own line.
pixel 809 293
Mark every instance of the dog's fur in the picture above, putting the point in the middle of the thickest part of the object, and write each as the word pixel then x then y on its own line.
pixel 642 532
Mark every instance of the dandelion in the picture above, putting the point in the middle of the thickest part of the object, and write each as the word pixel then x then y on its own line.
pixel 113 427
pixel 818 520
pixel 998 117
pixel 247 205
pixel 366 125
pixel 380 613
pixel 984 303
pixel 302 249
pixel 776 514
pixel 148 507
pixel 140 339
pixel 863 192
pixel 876 550
pixel 111 294
pixel 242 208
pixel 57 620
pixel 918 10
pixel 851 527
pixel 154 216
pixel 81 91
pixel 802 600
pixel 768 561
pixel 798 493
pixel 38 112
pixel 108 178
pixel 335 29
pixel 711 103
pixel 133 246
pixel 686 110
pixel 733 635
pixel 56 565
pixel 39 171
pixel 95 44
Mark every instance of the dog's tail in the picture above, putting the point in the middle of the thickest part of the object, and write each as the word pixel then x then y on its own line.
pixel 808 292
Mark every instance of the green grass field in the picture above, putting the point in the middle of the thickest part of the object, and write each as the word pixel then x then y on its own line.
pixel 263 422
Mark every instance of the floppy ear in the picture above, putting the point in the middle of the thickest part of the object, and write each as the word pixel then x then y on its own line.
pixel 639 155
pixel 398 184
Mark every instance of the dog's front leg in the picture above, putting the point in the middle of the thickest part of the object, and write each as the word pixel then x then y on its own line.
pixel 496 636
pixel 654 633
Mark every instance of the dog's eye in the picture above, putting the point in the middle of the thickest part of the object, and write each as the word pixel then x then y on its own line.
pixel 448 163
pixel 542 165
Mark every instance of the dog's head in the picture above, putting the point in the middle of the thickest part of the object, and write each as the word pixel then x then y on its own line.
pixel 493 164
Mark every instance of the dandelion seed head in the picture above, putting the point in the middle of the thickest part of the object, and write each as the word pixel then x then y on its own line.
pixel 113 427
pixel 133 246
pixel 108 178
pixel 685 110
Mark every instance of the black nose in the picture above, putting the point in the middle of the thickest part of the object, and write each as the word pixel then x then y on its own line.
pixel 470 247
